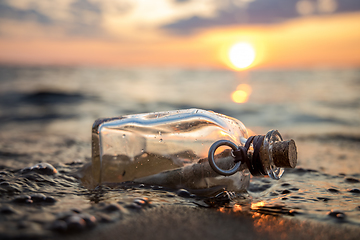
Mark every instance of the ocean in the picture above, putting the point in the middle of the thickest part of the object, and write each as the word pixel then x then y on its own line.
pixel 302 102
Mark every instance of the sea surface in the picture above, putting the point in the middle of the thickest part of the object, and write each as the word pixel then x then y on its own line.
pixel 59 98
pixel 46 115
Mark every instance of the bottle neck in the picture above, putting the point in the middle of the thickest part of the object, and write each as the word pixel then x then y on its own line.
pixel 269 154
pixel 253 160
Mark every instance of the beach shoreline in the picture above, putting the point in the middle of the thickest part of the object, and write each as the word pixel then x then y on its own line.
pixel 179 222
pixel 165 214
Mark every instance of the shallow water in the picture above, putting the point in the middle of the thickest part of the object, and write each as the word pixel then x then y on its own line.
pixel 46 116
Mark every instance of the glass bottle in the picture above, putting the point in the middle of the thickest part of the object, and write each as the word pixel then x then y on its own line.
pixel 172 149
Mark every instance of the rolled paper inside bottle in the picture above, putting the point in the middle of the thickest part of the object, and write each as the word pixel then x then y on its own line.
pixel 189 176
pixel 284 154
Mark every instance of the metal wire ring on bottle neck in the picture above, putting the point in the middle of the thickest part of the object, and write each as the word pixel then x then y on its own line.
pixel 212 163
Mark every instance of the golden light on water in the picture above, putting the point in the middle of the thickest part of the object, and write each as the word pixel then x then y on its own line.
pixel 257 205
pixel 237 208
pixel 242 93
pixel 242 55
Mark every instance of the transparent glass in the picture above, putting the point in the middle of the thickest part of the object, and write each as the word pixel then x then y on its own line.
pixel 167 148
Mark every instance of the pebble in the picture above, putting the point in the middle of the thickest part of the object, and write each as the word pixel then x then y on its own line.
pixel 50 200
pixel 333 190
pixel 112 207
pixel 142 201
pixel 183 193
pixel 22 199
pixel 139 203
pixel 293 212
pixel 285 191
pixel 75 223
pixel 351 180
pixel 34 198
pixel 38 197
pixel 354 190
pixel 90 220
pixel 41 168
pixel 337 214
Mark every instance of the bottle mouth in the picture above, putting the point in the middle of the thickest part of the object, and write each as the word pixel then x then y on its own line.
pixel 277 154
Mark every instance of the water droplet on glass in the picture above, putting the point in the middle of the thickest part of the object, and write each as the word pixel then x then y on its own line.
pixel 160 140
pixel 159 133
pixel 123 135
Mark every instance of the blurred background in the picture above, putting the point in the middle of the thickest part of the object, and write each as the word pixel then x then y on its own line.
pixel 293 65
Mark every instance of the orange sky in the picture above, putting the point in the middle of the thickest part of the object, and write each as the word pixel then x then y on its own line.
pixel 326 41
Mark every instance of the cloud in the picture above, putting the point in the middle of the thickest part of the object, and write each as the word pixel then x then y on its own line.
pixel 74 18
pixel 135 18
pixel 9 12
pixel 260 12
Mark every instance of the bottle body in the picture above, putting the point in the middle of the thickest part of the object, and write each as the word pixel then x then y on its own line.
pixel 165 148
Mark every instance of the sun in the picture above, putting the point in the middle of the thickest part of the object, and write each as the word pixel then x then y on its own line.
pixel 242 55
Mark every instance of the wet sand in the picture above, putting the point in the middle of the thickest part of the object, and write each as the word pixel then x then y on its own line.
pixel 38 203
pixel 179 222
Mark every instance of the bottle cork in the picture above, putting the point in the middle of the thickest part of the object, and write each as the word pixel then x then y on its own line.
pixel 284 154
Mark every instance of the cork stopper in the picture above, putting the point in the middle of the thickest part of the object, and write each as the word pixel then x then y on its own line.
pixel 284 154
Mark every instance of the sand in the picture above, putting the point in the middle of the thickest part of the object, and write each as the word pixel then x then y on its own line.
pixel 167 216
pixel 178 222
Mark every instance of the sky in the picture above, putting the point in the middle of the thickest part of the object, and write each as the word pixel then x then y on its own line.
pixel 180 33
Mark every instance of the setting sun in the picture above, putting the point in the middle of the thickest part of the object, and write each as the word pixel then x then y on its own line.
pixel 242 55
